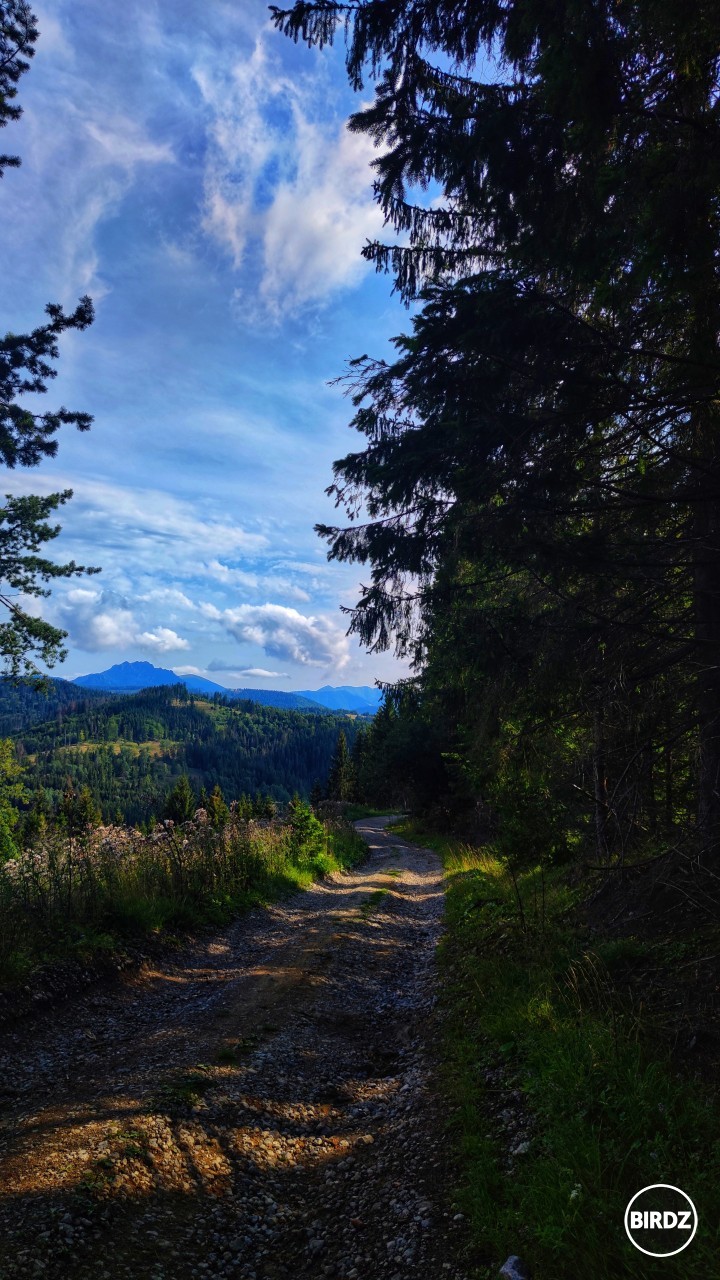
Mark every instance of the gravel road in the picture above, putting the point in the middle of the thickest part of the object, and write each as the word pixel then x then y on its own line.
pixel 260 1104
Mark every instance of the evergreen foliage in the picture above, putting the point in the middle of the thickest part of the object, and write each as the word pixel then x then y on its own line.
pixel 341 778
pixel 18 33
pixel 12 794
pixel 217 808
pixel 78 810
pixel 180 804
pixel 542 462
pixel 131 750
pixel 26 438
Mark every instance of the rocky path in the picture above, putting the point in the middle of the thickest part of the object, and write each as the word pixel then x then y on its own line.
pixel 261 1105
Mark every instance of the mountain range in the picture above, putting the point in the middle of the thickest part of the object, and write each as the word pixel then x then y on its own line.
pixel 345 697
pixel 131 677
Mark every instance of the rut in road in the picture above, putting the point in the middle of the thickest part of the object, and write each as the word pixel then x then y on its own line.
pixel 261 1105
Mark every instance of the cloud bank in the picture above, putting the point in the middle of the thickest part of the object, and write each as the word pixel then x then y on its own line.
pixel 95 622
pixel 310 641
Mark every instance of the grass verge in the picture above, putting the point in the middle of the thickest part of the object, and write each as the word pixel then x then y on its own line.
pixel 84 900
pixel 549 1055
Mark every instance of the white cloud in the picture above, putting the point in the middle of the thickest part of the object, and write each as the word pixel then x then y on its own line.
pixel 121 142
pixel 220 665
pixel 210 611
pixel 162 640
pixel 160 532
pixel 259 673
pixel 253 582
pixel 311 641
pixel 52 36
pixel 89 164
pixel 319 219
pixel 226 222
pixel 281 180
pixel 96 621
pixel 321 569
pixel 150 516
pixel 167 595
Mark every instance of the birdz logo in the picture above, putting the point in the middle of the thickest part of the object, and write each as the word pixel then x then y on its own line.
pixel 661 1220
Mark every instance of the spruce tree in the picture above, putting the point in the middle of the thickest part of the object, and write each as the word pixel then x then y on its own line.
pixel 78 810
pixel 341 778
pixel 217 808
pixel 180 804
pixel 554 412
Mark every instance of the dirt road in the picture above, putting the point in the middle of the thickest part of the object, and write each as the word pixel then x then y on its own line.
pixel 261 1104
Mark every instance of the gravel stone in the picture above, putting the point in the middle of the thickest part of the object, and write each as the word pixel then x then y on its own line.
pixel 315 1148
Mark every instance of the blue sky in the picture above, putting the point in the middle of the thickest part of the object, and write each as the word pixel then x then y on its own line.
pixel 190 169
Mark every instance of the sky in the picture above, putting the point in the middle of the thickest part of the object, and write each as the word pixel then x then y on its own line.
pixel 190 169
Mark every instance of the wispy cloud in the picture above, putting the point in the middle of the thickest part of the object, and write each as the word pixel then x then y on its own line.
pixel 230 576
pixel 157 529
pixel 90 164
pixel 285 181
pixel 121 142
pixel 257 673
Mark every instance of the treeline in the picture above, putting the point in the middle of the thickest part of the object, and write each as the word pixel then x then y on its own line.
pixel 541 461
pixel 128 752
pixel 24 704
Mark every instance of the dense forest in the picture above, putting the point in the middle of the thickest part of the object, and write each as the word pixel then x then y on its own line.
pixel 24 704
pixel 540 478
pixel 130 750
pixel 535 501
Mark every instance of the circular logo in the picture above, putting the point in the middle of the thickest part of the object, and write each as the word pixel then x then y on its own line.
pixel 661 1220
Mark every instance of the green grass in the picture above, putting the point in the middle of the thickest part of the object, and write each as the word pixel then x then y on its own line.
pixel 182 1092
pixel 373 902
pixel 88 904
pixel 227 1056
pixel 609 1113
pixel 354 812
pixel 232 1055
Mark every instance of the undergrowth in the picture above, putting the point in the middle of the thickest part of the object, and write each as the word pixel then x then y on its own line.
pixel 530 1008
pixel 354 812
pixel 83 898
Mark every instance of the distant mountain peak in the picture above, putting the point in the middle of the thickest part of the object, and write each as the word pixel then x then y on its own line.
pixel 131 677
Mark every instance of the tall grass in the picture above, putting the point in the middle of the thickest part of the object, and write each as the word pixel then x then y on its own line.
pixel 539 1026
pixel 78 895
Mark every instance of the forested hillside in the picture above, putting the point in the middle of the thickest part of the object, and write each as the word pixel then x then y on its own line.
pixel 22 705
pixel 129 750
